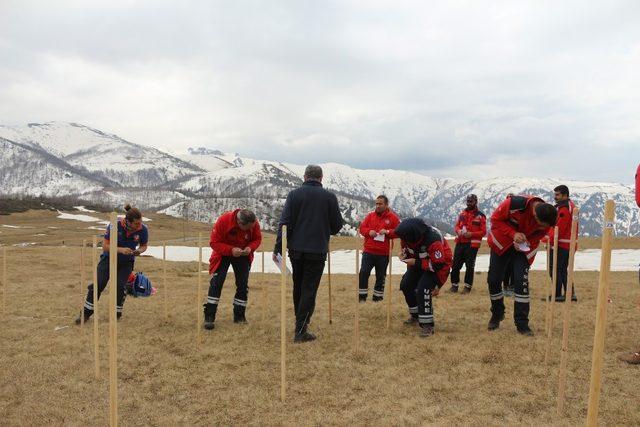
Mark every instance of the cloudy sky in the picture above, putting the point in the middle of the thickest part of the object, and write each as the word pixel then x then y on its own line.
pixel 468 89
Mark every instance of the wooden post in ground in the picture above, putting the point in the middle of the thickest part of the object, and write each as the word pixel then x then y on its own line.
pixel 601 315
pixel 82 283
pixel 96 341
pixel 389 286
pixel 198 302
pixel 548 294
pixel 164 281
pixel 564 355
pixel 356 330
pixel 113 323
pixel 4 282
pixel 283 317
pixel 554 278
pixel 265 302
pixel 329 283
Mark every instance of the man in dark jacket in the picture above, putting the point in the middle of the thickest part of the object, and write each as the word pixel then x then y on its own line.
pixel 311 215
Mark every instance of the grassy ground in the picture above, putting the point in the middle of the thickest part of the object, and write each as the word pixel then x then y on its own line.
pixel 462 375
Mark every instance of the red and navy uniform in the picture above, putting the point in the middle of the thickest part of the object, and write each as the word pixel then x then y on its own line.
pixel 565 211
pixel 226 235
pixel 131 239
pixel 433 262
pixel 514 215
pixel 387 220
pixel 475 222
pixel 375 253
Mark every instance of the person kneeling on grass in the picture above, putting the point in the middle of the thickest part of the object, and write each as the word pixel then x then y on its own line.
pixel 133 238
pixel 234 239
pixel 428 258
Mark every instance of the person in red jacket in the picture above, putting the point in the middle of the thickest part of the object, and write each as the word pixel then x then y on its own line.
pixel 234 239
pixel 470 228
pixel 633 358
pixel 428 258
pixel 517 226
pixel 375 253
pixel 565 208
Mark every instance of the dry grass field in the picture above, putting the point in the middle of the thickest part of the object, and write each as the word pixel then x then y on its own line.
pixel 463 375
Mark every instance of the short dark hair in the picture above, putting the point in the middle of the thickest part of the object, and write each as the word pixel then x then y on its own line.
pixel 245 216
pixel 383 197
pixel 313 172
pixel 546 213
pixel 132 214
pixel 562 189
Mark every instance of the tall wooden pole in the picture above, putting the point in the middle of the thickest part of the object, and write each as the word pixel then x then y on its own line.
pixel 113 323
pixel 5 284
pixel 329 283
pixel 96 340
pixel 82 283
pixel 389 286
pixel 601 315
pixel 283 317
pixel 263 280
pixel 564 355
pixel 356 330
pixel 198 306
pixel 164 281
pixel 554 278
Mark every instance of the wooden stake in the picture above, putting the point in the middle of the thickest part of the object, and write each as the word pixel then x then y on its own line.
pixel 283 318
pixel 564 355
pixel 388 286
pixel 548 295
pixel 5 284
pixel 329 283
pixel 198 306
pixel 96 341
pixel 164 281
pixel 82 284
pixel 554 278
pixel 113 323
pixel 263 280
pixel 356 329
pixel 601 315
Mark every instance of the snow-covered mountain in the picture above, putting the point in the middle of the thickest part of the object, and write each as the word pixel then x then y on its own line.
pixel 71 159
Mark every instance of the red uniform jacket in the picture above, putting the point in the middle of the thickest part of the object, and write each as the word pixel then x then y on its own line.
pixel 226 235
pixel 565 212
pixel 426 244
pixel 512 216
pixel 638 186
pixel 387 220
pixel 475 222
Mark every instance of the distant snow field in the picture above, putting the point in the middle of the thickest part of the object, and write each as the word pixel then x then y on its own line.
pixel 343 262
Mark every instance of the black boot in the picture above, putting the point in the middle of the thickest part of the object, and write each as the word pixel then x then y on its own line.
pixel 86 313
pixel 209 315
pixel 302 334
pixel 494 322
pixel 525 330
pixel 238 314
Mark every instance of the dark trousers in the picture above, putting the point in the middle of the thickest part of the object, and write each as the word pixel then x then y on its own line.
pixel 520 278
pixel 124 270
pixel 369 261
pixel 463 254
pixel 241 267
pixel 507 282
pixel 563 266
pixel 416 285
pixel 306 271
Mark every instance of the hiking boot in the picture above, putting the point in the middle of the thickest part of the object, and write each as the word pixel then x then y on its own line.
pixel 561 298
pixel 574 298
pixel 304 337
pixel 240 319
pixel 631 358
pixel 426 331
pixel 525 330
pixel 494 322
pixel 362 298
pixel 411 321
pixel 466 290
pixel 453 289
pixel 208 322
pixel 376 298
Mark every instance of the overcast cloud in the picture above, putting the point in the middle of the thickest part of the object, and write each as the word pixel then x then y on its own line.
pixel 464 89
